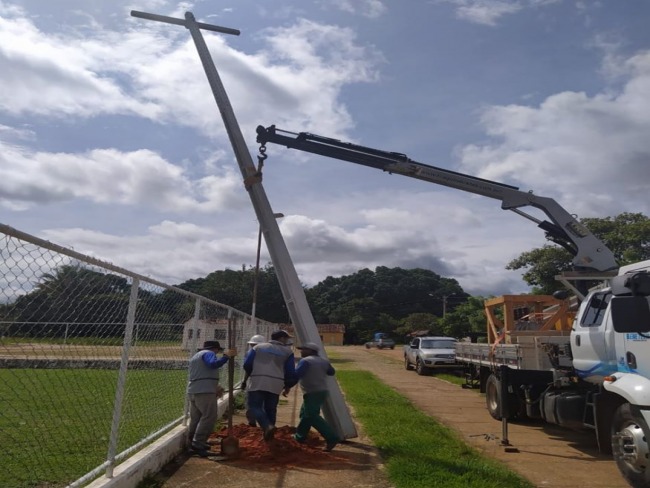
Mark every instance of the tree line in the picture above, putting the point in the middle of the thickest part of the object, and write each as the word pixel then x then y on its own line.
pixel 393 300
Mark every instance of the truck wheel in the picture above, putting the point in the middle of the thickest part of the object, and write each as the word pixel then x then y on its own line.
pixel 407 366
pixel 493 396
pixel 630 436
pixel 367 346
pixel 419 367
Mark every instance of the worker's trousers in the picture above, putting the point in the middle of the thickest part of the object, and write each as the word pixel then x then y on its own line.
pixel 203 415
pixel 264 407
pixel 310 417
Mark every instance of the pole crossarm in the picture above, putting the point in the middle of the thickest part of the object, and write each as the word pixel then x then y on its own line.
pixel 189 17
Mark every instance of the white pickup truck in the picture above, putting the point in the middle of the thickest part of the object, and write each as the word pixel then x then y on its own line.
pixel 427 353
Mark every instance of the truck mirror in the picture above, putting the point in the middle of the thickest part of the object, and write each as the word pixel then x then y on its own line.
pixel 630 314
pixel 631 284
pixel 561 294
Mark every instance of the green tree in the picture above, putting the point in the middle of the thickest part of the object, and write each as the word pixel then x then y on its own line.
pixel 235 289
pixel 418 321
pixel 73 294
pixel 627 235
pixel 376 301
pixel 466 318
pixel 542 265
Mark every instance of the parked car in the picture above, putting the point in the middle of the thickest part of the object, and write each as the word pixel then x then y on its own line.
pixel 427 353
pixel 381 341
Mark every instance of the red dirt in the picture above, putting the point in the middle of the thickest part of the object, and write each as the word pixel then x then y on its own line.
pixel 283 452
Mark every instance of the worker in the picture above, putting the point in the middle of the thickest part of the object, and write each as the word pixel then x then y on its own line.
pixel 271 369
pixel 254 341
pixel 312 371
pixel 203 390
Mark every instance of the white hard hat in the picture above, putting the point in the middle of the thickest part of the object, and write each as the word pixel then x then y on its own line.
pixel 257 339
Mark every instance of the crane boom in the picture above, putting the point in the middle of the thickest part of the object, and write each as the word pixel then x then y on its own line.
pixel 589 253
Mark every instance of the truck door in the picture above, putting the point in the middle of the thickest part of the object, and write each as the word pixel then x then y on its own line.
pixel 592 359
pixel 635 354
pixel 413 351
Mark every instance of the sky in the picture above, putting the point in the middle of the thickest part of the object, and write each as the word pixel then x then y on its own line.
pixel 111 142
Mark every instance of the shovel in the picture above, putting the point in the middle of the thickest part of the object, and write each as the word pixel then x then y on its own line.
pixel 230 444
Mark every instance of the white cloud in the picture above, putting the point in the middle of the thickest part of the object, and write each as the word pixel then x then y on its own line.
pixel 301 70
pixel 368 8
pixel 110 176
pixel 452 234
pixel 489 12
pixel 596 147
pixel 54 75
pixel 485 12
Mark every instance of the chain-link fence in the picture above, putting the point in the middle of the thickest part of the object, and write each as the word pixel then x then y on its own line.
pixel 93 360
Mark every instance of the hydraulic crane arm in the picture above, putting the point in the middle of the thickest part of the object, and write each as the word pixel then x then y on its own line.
pixel 589 253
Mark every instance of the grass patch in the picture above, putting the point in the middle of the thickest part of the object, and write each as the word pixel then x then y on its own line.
pixel 55 423
pixel 417 450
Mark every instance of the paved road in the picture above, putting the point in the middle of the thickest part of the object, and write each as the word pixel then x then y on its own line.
pixel 548 456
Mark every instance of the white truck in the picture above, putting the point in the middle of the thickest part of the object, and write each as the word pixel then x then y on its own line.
pixel 430 352
pixel 594 373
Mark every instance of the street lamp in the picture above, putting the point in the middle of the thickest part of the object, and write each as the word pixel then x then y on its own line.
pixel 257 270
pixel 444 302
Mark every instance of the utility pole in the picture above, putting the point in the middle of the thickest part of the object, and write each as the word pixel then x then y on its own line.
pixel 335 409
pixel 257 271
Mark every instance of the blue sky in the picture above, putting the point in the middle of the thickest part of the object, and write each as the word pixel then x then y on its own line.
pixel 111 143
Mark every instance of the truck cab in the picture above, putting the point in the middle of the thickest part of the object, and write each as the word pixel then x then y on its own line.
pixel 602 346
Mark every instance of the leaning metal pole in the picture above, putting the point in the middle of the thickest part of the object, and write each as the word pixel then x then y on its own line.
pixel 335 409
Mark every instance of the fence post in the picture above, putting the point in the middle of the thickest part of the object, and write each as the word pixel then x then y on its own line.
pixel 121 379
pixel 192 348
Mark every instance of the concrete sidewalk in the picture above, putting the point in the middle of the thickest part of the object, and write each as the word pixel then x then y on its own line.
pixel 354 463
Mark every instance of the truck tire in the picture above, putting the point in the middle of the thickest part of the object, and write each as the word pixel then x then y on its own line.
pixel 367 346
pixel 407 366
pixel 630 448
pixel 420 368
pixel 493 396
pixel 516 409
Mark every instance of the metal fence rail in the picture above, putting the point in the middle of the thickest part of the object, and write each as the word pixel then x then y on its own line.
pixel 93 360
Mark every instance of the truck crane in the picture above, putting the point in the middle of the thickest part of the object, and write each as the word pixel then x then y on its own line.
pixel 589 253
pixel 591 374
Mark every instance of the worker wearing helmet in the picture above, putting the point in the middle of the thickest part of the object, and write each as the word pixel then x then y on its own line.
pixel 256 339
pixel 252 342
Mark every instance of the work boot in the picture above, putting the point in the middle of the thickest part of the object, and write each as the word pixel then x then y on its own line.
pixel 200 449
pixel 269 433
pixel 330 445
pixel 298 439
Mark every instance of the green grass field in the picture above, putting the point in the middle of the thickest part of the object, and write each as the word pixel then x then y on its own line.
pixel 418 451
pixel 55 424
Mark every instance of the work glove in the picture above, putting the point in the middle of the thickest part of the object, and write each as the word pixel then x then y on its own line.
pixel 220 391
pixel 231 353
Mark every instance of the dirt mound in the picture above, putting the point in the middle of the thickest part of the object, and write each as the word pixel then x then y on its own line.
pixel 282 452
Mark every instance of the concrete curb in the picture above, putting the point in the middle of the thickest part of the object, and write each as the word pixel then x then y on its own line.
pixel 148 461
